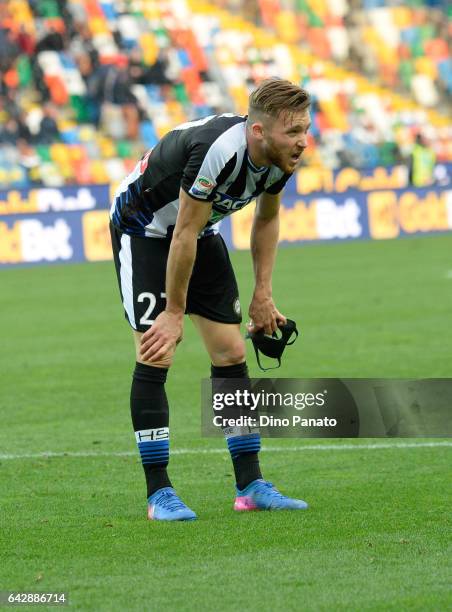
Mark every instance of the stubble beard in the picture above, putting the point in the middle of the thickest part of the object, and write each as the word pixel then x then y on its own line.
pixel 274 156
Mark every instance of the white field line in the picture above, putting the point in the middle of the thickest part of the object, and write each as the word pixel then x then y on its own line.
pixel 213 451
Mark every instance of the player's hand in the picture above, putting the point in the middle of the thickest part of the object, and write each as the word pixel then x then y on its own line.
pixel 160 340
pixel 264 314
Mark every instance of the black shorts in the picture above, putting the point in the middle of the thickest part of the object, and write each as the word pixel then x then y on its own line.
pixel 141 270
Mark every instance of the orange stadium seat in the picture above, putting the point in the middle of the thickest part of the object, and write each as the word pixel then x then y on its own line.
pixel 57 88
pixel 82 171
pixel 319 43
pixel 11 78
pixel 437 48
pixel 93 9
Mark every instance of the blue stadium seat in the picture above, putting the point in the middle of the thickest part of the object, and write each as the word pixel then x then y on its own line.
pixel 108 9
pixel 183 58
pixel 154 93
pixel 148 134
pixel 445 72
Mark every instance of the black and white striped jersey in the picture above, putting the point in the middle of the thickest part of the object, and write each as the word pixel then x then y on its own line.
pixel 208 158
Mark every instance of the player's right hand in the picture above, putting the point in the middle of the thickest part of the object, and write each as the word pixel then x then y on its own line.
pixel 159 342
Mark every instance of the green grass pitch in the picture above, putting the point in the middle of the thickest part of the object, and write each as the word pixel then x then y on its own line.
pixel 375 536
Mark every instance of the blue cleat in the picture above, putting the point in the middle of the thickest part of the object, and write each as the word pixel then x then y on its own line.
pixel 262 495
pixel 165 505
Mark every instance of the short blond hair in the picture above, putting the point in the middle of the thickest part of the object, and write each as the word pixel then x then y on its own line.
pixel 274 95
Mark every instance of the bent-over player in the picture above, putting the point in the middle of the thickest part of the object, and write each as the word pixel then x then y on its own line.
pixel 171 260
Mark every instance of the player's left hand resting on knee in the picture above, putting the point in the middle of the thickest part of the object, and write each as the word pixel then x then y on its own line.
pixel 264 314
pixel 160 340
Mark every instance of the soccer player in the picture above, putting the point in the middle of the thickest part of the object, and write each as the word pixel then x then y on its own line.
pixel 171 260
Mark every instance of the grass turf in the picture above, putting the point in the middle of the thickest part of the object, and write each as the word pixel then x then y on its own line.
pixel 375 534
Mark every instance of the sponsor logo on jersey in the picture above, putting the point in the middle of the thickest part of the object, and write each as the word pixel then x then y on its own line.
pixel 148 435
pixel 236 306
pixel 226 204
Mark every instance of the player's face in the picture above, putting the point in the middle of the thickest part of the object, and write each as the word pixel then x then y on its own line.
pixel 285 139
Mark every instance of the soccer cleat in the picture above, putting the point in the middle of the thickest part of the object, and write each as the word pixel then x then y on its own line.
pixel 165 505
pixel 262 495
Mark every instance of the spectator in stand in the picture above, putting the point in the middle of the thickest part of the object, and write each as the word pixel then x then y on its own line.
pixel 110 85
pixel 116 86
pixel 53 41
pixel 48 130
pixel 8 102
pixel 82 43
pixel 422 163
pixel 39 81
pixel 10 132
pixel 29 160
pixel 155 74
pixel 23 129
pixel 9 49
pixel 15 128
pixel 93 75
pixel 117 91
pixel 26 41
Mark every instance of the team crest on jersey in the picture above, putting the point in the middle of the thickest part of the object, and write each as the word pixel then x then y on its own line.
pixel 237 308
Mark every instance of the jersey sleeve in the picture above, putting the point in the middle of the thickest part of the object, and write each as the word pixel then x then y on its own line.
pixel 278 186
pixel 207 163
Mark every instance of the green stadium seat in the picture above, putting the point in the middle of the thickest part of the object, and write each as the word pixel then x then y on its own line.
pixel 180 93
pixel 124 148
pixel 49 9
pixel 44 152
pixel 406 71
pixel 80 108
pixel 23 68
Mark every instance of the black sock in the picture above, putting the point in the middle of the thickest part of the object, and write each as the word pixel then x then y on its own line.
pixel 150 418
pixel 244 443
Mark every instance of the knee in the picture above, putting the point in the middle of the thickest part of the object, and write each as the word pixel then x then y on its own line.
pixel 165 362
pixel 230 354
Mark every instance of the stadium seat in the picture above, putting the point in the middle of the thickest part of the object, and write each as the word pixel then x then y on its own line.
pixel 48 9
pixel 112 121
pixel 57 89
pixel 149 45
pixel 93 8
pixel 107 147
pixel 51 176
pixel 23 69
pixel 286 26
pixel 424 90
pixel 445 72
pixel 82 171
pixel 99 174
pixel 44 152
pixel 11 78
pixel 50 63
pixel 69 135
pixel 115 169
pixel 148 134
pixel 129 30
pixel 124 148
pixel 108 9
